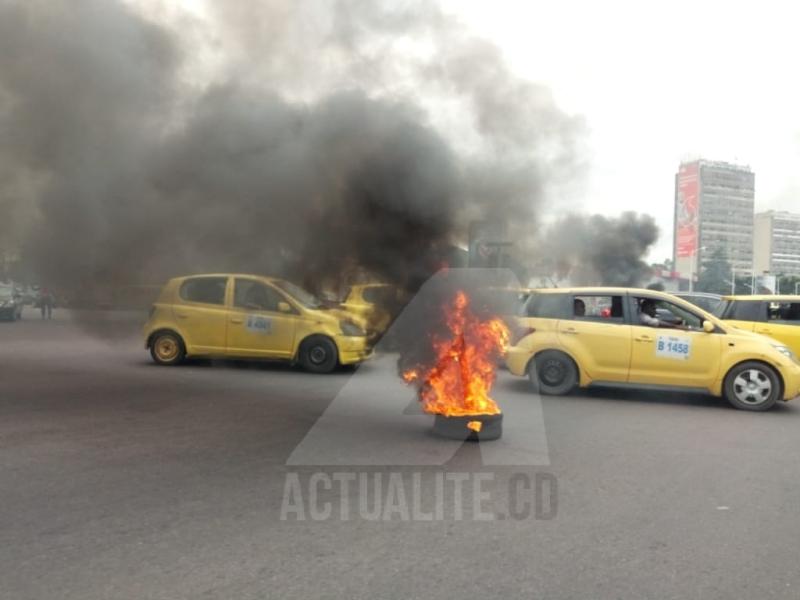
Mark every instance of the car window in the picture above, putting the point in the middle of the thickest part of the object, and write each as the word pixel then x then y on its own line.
pixel 607 309
pixel 745 310
pixel 304 297
pixel 784 312
pixel 255 295
pixel 549 306
pixel 672 313
pixel 208 290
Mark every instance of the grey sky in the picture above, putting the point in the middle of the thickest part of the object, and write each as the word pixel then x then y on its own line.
pixel 655 82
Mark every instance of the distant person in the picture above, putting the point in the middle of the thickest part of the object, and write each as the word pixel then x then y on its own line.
pixel 46 303
pixel 579 307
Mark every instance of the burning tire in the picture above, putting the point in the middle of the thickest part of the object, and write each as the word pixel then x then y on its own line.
pixel 752 386
pixel 469 428
pixel 167 348
pixel 318 354
pixel 553 373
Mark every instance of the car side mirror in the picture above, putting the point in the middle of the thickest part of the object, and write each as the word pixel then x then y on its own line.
pixel 709 327
pixel 284 307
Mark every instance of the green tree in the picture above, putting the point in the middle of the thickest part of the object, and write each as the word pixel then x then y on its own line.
pixel 715 277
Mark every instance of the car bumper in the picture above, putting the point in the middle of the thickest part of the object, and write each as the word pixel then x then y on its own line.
pixel 353 350
pixel 517 360
pixel 791 381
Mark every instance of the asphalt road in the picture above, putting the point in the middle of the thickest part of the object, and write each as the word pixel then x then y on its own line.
pixel 120 479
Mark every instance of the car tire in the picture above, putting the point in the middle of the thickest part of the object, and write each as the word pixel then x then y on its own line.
pixel 553 373
pixel 318 354
pixel 752 386
pixel 167 348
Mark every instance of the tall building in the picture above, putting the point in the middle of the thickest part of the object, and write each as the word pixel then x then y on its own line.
pixel 776 243
pixel 714 204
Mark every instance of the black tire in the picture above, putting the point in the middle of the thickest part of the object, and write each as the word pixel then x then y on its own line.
pixel 752 386
pixel 318 354
pixel 553 373
pixel 167 348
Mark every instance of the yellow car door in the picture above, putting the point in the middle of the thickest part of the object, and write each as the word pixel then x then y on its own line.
pixel 598 337
pixel 201 315
pixel 782 324
pixel 674 357
pixel 261 322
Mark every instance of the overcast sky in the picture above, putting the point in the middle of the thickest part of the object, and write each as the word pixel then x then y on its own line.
pixel 660 82
pixel 657 83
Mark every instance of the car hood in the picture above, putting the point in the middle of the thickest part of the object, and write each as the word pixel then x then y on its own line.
pixel 755 336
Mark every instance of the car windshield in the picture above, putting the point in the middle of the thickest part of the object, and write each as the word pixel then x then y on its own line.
pixel 304 297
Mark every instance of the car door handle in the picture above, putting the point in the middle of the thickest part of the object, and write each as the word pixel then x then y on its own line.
pixel 764 330
pixel 183 316
pixel 237 320
pixel 570 331
pixel 644 338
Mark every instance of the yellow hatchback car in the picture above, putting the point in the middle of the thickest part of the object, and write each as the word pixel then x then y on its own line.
pixel 775 316
pixel 249 316
pixel 642 338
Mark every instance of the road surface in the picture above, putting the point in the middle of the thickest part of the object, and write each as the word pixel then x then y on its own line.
pixel 120 479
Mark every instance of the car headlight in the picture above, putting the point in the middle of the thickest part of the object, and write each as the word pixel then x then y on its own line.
pixel 351 329
pixel 786 351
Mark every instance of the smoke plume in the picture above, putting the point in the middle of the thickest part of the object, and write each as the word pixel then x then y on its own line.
pixel 313 146
pixel 598 250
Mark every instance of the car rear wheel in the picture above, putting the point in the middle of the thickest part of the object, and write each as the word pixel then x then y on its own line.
pixel 553 373
pixel 752 386
pixel 318 354
pixel 167 348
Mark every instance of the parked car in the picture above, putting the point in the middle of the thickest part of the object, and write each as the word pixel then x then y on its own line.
pixel 10 303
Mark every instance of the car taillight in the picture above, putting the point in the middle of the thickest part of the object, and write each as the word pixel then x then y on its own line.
pixel 521 333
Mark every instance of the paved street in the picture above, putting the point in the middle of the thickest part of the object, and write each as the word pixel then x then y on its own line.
pixel 120 479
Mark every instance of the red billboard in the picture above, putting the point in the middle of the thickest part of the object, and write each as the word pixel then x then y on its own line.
pixel 687 214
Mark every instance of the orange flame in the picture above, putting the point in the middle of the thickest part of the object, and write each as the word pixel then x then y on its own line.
pixel 459 380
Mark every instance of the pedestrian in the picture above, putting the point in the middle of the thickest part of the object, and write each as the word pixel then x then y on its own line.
pixel 46 303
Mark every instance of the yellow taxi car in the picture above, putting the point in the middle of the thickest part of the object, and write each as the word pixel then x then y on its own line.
pixel 249 316
pixel 643 338
pixel 775 316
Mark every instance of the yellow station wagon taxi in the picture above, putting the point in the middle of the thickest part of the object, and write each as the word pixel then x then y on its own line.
pixel 643 338
pixel 775 316
pixel 249 316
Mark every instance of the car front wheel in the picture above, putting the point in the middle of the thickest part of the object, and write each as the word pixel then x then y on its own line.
pixel 318 354
pixel 752 386
pixel 553 373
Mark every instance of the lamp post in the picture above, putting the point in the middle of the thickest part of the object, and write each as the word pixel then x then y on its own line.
pixel 691 267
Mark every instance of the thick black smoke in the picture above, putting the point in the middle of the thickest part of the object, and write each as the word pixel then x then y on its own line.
pixel 598 250
pixel 300 156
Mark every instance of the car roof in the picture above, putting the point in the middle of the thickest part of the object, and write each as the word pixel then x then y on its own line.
pixel 616 291
pixel 765 298
pixel 254 275
pixel 696 294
